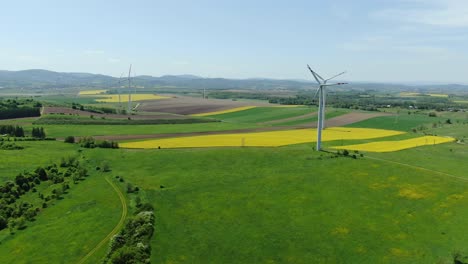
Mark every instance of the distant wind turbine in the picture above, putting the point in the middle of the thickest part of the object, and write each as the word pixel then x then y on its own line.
pixel 321 92
pixel 129 90
pixel 118 90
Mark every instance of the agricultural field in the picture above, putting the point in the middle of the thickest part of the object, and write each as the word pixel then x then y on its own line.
pixel 389 146
pixel 225 111
pixel 263 139
pixel 114 98
pixel 91 92
pixel 248 187
pixel 267 196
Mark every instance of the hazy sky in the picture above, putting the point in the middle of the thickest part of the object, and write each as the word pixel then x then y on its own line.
pixel 374 40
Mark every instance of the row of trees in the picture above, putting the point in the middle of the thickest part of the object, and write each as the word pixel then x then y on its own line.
pixel 99 110
pixel 132 244
pixel 38 132
pixel 18 131
pixel 9 146
pixel 13 131
pixel 90 142
pixel 14 211
pixel 368 102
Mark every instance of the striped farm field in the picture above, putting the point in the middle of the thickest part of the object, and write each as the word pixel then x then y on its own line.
pixel 91 92
pixel 237 109
pixel 263 139
pixel 390 146
pixel 114 98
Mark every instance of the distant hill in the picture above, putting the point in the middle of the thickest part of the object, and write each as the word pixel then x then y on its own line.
pixel 37 78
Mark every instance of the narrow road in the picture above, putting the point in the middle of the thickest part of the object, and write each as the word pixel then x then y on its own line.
pixel 116 228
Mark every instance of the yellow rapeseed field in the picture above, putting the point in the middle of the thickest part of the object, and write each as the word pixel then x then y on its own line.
pixel 91 92
pixel 437 95
pixel 114 98
pixel 225 111
pixel 409 94
pixel 388 146
pixel 263 139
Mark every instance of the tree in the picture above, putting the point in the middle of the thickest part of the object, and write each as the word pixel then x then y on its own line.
pixel 105 167
pixel 3 223
pixel 42 174
pixel 69 139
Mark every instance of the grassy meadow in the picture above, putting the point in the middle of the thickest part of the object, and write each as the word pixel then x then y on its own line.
pixel 285 204
pixel 250 205
pixel 66 230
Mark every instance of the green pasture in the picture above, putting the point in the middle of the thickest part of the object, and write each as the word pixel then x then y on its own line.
pixel 34 154
pixel 330 113
pixel 293 205
pixel 70 227
pixel 401 122
pixel 257 205
pixel 96 130
pixel 263 114
pixel 68 230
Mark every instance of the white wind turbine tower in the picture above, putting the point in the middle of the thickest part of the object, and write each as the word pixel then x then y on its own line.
pixel 118 91
pixel 321 92
pixel 129 91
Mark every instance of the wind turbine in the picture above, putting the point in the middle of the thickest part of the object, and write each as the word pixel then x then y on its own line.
pixel 118 90
pixel 129 91
pixel 321 92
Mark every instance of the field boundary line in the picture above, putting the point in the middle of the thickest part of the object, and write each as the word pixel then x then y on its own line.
pixel 420 168
pixel 116 228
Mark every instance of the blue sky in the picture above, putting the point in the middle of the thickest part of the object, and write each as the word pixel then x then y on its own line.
pixel 374 40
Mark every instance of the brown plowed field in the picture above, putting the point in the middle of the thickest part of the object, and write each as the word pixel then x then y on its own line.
pixel 332 122
pixel 183 105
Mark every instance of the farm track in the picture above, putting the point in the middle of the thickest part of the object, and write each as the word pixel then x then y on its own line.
pixel 116 228
pixel 420 168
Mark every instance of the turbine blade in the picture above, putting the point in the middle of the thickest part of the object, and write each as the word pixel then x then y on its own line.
pixel 316 76
pixel 335 76
pixel 316 93
pixel 320 77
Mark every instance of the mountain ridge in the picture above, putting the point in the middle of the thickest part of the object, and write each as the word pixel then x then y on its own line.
pixel 40 78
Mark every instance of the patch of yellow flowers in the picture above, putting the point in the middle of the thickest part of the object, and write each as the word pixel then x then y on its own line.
pixel 263 139
pixel 388 146
pixel 114 98
pixel 237 109
pixel 91 92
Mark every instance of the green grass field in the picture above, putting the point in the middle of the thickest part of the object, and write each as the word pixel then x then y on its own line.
pixel 34 154
pixel 264 114
pixel 258 205
pixel 65 231
pixel 402 122
pixel 330 113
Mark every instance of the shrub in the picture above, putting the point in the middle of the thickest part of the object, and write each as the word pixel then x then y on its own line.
pixel 70 139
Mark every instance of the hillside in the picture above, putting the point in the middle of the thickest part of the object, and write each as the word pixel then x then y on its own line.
pixel 37 78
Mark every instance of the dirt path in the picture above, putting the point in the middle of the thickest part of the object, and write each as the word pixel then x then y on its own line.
pixel 419 168
pixel 116 228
